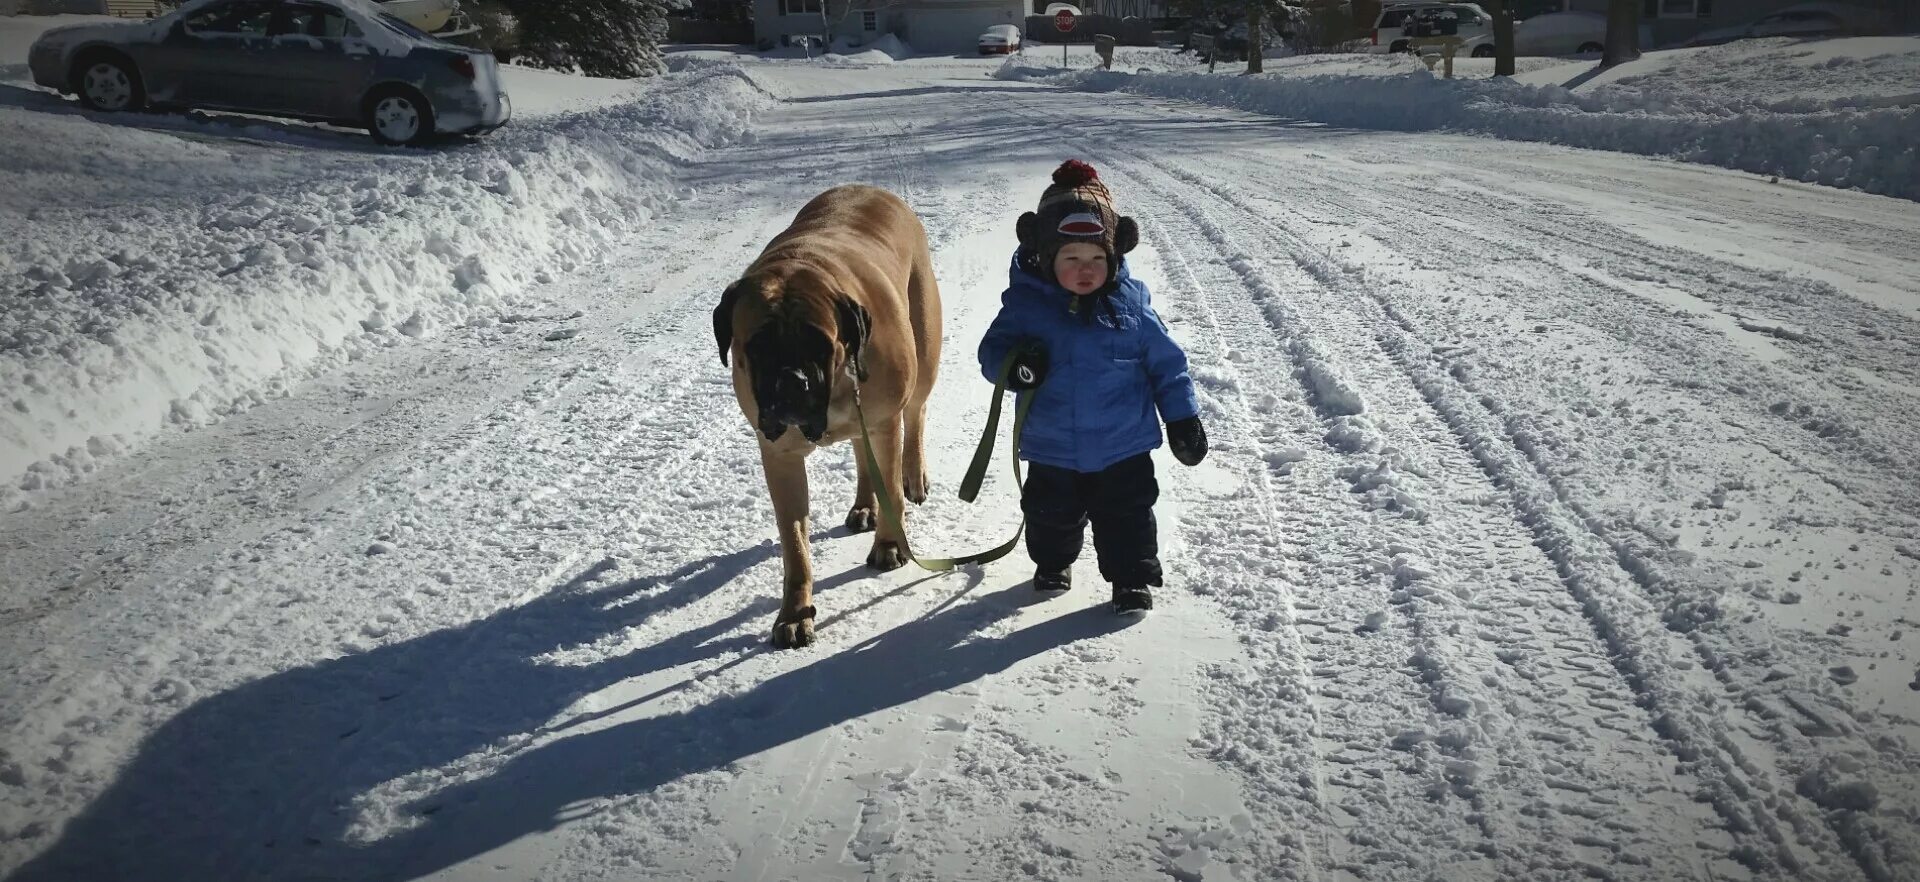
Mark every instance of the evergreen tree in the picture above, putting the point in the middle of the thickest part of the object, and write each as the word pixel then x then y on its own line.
pixel 599 38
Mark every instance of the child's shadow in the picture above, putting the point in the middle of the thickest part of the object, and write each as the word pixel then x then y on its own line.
pixel 258 781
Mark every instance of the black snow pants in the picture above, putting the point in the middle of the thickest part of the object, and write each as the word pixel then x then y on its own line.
pixel 1117 500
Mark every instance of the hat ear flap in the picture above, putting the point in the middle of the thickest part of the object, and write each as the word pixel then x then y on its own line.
pixel 1027 228
pixel 1126 234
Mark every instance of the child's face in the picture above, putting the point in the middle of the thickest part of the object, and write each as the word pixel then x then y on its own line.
pixel 1081 267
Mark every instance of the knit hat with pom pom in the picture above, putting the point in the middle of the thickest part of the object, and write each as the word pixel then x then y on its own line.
pixel 1076 208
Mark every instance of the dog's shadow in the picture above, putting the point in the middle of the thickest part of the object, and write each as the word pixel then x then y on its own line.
pixel 259 781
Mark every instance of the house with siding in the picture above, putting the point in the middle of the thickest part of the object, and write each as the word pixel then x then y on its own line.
pixel 929 26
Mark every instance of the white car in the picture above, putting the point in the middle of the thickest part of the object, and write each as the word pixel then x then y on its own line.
pixel 441 18
pixel 1000 40
pixel 1800 20
pixel 1561 33
pixel 1467 21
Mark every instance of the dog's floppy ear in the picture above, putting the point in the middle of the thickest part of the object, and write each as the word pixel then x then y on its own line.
pixel 1027 228
pixel 855 324
pixel 1126 234
pixel 723 320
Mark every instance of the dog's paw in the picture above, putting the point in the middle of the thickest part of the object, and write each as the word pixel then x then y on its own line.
pixel 887 556
pixel 860 520
pixel 916 489
pixel 793 634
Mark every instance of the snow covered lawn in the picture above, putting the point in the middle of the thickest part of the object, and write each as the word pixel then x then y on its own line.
pixel 1842 112
pixel 1562 521
pixel 172 270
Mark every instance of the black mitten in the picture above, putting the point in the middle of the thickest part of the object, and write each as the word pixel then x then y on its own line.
pixel 1188 440
pixel 1029 366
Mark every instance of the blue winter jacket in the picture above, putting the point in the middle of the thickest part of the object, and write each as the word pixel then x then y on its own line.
pixel 1105 374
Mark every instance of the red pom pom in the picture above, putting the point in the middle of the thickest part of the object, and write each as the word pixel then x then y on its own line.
pixel 1074 173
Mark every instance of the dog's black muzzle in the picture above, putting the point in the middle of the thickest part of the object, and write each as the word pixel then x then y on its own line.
pixel 789 398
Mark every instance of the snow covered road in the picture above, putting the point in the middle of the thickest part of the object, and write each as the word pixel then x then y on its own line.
pixel 1563 523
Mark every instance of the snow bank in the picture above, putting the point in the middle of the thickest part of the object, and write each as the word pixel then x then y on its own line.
pixel 217 292
pixel 894 47
pixel 1780 74
pixel 1861 140
pixel 885 50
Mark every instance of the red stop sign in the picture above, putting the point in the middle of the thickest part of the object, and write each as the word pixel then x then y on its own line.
pixel 1063 20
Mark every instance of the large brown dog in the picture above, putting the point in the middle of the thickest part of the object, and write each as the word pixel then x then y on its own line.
pixel 845 293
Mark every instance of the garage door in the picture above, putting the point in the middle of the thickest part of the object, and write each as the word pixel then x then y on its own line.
pixel 953 31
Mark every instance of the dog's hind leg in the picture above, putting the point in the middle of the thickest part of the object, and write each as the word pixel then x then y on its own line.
pixel 862 517
pixel 923 299
pixel 889 543
pixel 787 485
pixel 913 458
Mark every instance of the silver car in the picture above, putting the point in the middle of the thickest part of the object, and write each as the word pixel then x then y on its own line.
pixel 346 62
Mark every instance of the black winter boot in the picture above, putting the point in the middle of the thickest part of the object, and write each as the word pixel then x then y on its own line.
pixel 1053 582
pixel 1131 599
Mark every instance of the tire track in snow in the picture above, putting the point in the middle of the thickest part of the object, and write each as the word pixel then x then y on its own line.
pixel 1799 728
pixel 1644 651
pixel 1875 843
pixel 1578 253
pixel 1457 668
pixel 1363 793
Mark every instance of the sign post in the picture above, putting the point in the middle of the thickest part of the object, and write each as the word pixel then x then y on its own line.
pixel 1063 22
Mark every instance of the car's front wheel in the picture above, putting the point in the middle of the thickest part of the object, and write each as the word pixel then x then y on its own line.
pixel 1483 51
pixel 109 82
pixel 399 116
pixel 1591 48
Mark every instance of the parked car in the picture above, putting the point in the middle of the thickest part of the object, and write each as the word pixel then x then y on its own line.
pixel 347 62
pixel 1561 33
pixel 1465 20
pixel 1000 40
pixel 1801 20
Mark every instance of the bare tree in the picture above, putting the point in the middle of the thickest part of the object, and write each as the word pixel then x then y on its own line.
pixel 1502 38
pixel 1623 32
pixel 1256 47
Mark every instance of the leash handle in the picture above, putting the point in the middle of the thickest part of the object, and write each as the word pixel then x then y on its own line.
pixel 983 454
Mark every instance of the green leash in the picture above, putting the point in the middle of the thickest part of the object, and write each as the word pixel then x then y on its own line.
pixel 969 486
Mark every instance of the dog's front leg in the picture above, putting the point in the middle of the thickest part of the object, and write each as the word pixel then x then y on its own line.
pixel 787 485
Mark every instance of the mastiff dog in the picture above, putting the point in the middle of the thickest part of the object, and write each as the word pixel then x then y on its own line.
pixel 841 304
